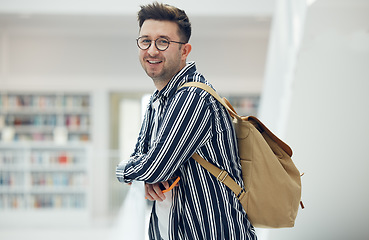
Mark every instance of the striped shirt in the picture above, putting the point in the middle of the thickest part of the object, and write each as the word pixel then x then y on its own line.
pixel 190 121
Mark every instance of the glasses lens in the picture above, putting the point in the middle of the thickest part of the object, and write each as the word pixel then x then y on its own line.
pixel 162 43
pixel 143 43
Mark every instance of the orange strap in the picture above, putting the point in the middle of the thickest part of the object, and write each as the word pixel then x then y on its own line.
pixel 172 186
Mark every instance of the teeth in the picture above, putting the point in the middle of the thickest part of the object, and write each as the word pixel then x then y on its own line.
pixel 153 62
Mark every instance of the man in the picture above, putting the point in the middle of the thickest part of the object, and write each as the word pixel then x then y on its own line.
pixel 177 124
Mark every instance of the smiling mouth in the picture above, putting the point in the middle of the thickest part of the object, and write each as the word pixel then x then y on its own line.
pixel 153 62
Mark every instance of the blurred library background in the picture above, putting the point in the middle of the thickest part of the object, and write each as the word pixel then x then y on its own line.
pixel 73 93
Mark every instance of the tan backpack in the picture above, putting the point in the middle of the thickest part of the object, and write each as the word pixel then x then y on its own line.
pixel 272 182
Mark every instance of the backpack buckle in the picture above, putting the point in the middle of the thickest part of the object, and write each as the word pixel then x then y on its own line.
pixel 241 194
pixel 222 176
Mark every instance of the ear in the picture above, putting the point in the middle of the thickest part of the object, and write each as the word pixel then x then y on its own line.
pixel 186 50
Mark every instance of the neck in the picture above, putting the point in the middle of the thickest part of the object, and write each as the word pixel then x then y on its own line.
pixel 160 84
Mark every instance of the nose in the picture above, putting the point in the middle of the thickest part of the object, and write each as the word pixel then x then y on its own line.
pixel 152 50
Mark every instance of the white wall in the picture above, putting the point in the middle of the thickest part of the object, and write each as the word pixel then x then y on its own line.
pixel 286 33
pixel 327 122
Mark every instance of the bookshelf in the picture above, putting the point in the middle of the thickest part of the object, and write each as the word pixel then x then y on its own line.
pixel 35 116
pixel 44 158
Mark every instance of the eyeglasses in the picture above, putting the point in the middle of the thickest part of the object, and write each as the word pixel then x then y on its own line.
pixel 161 43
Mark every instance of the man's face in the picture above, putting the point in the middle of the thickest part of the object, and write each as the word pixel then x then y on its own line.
pixel 162 65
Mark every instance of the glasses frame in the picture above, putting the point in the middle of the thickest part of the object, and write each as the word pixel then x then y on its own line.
pixel 138 45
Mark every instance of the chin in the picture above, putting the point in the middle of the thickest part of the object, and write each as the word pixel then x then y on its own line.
pixel 154 75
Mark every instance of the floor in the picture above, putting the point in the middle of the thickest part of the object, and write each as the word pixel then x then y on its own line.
pixel 130 223
pixel 98 233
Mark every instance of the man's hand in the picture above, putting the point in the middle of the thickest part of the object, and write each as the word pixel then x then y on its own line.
pixel 153 192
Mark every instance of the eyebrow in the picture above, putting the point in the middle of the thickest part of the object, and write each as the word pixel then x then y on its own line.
pixel 161 36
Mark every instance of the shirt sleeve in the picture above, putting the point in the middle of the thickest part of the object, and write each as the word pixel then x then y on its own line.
pixel 185 127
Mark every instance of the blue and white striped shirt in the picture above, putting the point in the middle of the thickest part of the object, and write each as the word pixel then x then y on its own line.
pixel 190 121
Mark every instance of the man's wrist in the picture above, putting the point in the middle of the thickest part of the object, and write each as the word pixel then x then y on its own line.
pixel 119 171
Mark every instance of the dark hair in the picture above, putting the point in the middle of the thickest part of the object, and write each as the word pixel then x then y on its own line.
pixel 165 12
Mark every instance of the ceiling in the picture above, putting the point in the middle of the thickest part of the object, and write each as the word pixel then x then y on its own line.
pixel 108 7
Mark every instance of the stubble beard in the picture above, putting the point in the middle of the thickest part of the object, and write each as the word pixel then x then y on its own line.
pixel 162 77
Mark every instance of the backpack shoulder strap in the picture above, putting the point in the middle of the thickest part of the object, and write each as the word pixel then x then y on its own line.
pixel 208 89
pixel 221 175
